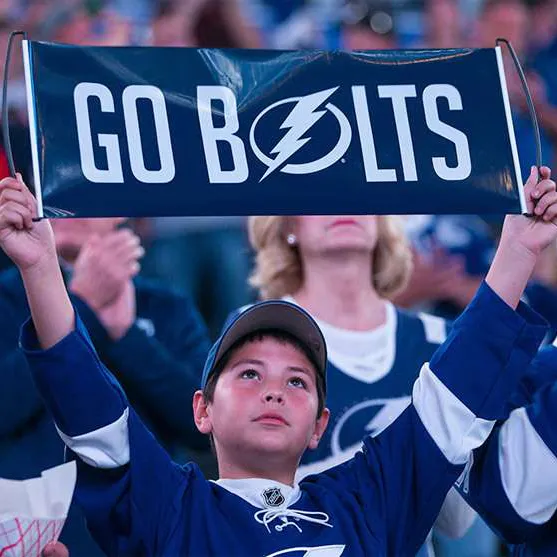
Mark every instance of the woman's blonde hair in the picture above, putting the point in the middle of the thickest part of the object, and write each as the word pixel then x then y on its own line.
pixel 278 267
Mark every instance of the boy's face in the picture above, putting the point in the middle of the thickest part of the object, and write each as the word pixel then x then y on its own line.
pixel 265 403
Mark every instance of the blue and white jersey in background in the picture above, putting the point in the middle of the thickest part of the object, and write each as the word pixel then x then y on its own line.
pixel 369 379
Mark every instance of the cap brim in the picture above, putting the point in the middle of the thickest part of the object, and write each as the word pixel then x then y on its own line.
pixel 277 315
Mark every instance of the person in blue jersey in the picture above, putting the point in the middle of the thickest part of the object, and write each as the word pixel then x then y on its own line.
pixel 343 271
pixel 513 480
pixel 152 337
pixel 263 404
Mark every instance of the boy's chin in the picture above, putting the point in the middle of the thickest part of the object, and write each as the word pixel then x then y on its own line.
pixel 273 443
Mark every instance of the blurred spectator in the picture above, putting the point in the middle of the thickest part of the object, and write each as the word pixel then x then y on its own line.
pixel 174 23
pixel 444 24
pixel 542 56
pixel 543 19
pixel 192 253
pixel 202 23
pixel 222 24
pixel 368 26
pixel 293 24
pixel 151 338
pixel 510 19
pixel 452 255
pixel 89 23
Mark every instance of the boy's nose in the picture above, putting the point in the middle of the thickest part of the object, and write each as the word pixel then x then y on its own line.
pixel 274 396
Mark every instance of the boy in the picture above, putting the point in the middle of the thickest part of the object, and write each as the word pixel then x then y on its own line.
pixel 263 405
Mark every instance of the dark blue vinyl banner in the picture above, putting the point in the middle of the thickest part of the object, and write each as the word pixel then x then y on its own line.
pixel 145 131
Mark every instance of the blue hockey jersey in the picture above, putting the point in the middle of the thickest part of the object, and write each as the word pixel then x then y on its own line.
pixel 374 391
pixel 513 481
pixel 381 502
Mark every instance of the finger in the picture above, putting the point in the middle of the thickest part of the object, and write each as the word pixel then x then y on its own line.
pixel 125 254
pixel 545 172
pixel 529 189
pixel 31 200
pixel 131 254
pixel 10 218
pixel 13 195
pixel 128 271
pixel 134 269
pixel 550 213
pixel 545 201
pixel 120 237
pixel 22 210
pixel 542 187
pixel 10 183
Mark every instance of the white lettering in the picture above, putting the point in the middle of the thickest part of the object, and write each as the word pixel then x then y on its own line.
pixel 113 172
pixel 210 135
pixel 367 143
pixel 398 95
pixel 130 96
pixel 463 167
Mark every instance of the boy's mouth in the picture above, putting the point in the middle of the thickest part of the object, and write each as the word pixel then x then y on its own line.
pixel 271 418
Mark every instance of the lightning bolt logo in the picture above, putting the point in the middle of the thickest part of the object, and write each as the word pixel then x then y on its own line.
pixel 302 118
pixel 390 411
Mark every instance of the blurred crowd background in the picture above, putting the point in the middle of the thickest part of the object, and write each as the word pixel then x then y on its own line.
pixel 192 255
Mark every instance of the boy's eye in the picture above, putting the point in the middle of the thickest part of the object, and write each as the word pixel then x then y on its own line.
pixel 249 374
pixel 298 382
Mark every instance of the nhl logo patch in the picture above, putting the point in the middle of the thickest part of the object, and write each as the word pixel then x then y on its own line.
pixel 273 497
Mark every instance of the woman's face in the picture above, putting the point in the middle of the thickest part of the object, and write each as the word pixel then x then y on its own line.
pixel 321 235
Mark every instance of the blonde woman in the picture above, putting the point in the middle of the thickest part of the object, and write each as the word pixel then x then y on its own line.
pixel 344 270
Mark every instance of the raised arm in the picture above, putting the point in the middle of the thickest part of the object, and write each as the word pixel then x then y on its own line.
pixel 513 482
pixel 524 238
pixel 465 387
pixel 89 408
pixel 31 247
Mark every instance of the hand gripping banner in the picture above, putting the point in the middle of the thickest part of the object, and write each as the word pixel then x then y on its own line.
pixel 145 131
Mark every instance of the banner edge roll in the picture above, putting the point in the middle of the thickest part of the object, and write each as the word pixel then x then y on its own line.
pixel 32 116
pixel 512 137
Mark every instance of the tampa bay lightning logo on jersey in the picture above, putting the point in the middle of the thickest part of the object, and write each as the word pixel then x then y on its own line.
pixel 369 417
pixel 319 551
pixel 273 497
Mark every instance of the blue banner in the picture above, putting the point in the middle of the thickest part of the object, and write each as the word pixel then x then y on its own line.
pixel 145 131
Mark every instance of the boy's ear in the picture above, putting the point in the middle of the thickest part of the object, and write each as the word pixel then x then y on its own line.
pixel 320 427
pixel 200 413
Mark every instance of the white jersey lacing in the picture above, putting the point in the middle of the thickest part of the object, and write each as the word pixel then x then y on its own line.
pixel 266 516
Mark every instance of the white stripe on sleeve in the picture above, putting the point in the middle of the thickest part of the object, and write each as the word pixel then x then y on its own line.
pixel 453 427
pixel 107 447
pixel 528 469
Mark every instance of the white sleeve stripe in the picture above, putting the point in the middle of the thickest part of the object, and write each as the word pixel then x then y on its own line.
pixel 528 469
pixel 435 328
pixel 106 447
pixel 454 428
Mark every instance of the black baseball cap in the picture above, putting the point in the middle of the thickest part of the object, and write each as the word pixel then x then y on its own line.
pixel 271 315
